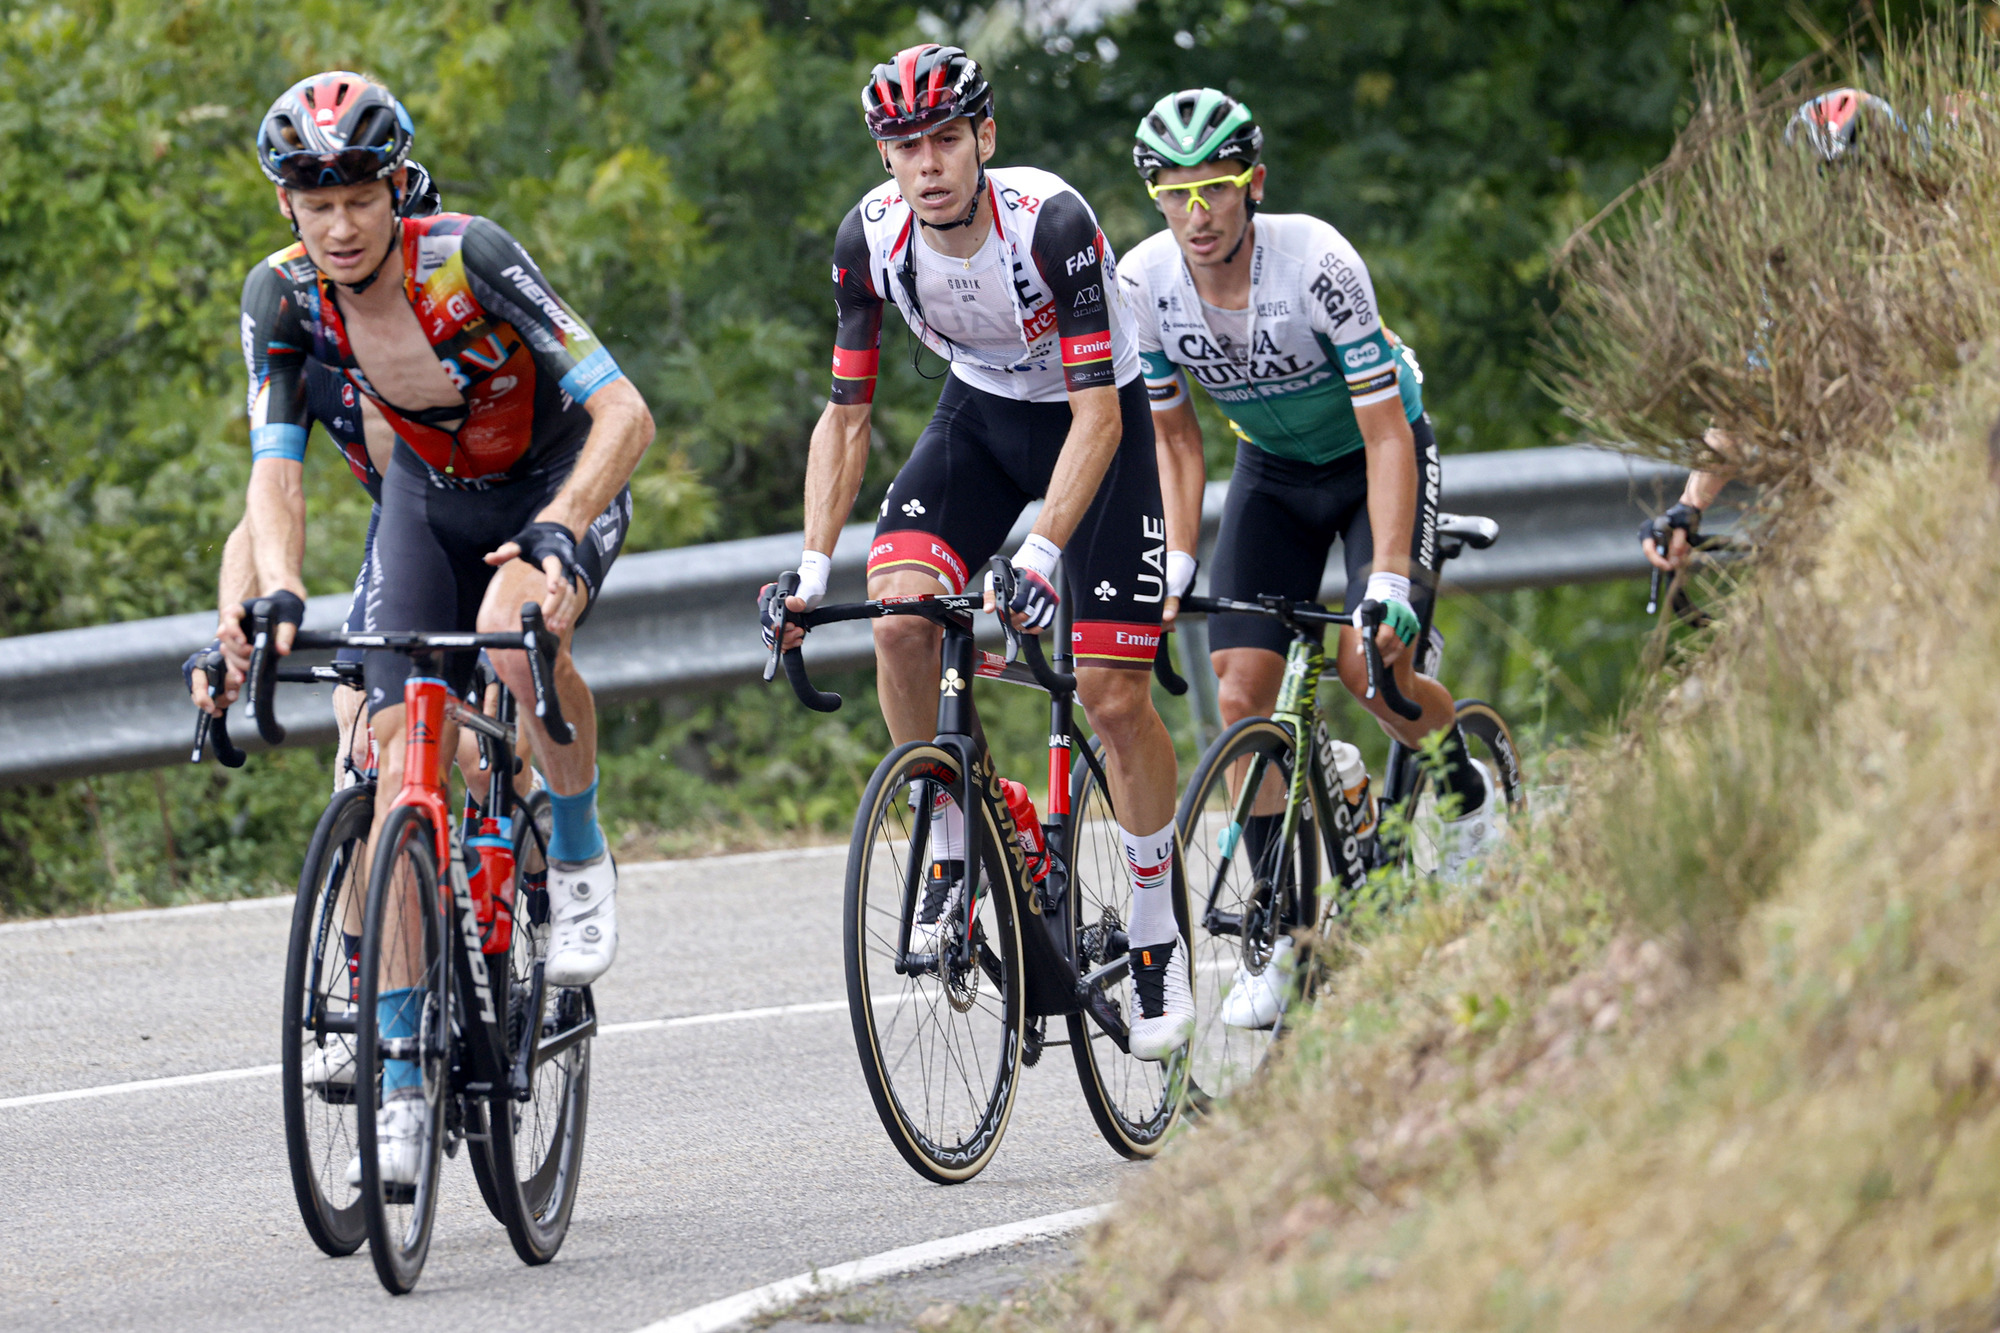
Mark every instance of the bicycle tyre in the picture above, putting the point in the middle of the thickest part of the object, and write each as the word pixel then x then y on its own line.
pixel 405 865
pixel 1134 1102
pixel 1245 898
pixel 945 1144
pixel 537 1145
pixel 319 1128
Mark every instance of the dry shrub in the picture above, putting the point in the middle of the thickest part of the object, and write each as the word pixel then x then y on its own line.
pixel 1798 306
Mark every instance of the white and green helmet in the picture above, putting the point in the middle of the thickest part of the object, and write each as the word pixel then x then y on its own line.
pixel 1193 126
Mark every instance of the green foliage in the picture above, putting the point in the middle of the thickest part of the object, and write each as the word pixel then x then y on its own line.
pixel 679 167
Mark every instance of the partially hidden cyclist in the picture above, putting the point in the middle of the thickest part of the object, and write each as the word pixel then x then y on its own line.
pixel 516 434
pixel 1276 317
pixel 1003 272
pixel 1832 125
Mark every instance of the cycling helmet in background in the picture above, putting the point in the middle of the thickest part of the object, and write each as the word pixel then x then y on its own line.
pixel 922 88
pixel 1832 123
pixel 420 193
pixel 337 128
pixel 1196 125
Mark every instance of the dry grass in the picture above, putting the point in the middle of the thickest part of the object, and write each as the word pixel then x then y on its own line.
pixel 1720 1046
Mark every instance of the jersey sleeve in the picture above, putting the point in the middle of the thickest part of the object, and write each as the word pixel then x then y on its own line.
pixel 274 354
pixel 1343 309
pixel 857 336
pixel 1069 251
pixel 1166 384
pixel 506 282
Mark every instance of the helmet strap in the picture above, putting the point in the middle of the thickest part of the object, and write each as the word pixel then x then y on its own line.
pixel 1249 220
pixel 395 240
pixel 978 193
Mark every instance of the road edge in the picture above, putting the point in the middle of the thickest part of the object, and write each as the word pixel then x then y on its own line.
pixel 730 1310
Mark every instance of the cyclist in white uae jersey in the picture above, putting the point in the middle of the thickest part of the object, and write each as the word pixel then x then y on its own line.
pixel 1275 316
pixel 1004 273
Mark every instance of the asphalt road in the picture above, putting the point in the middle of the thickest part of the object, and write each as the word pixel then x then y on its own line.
pixel 721 1155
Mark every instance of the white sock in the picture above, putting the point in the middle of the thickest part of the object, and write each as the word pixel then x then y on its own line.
pixel 1150 858
pixel 947 827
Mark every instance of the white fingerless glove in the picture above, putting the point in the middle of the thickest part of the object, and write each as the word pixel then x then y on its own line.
pixel 1181 568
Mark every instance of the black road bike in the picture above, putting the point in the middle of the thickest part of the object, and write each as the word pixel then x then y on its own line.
pixel 945 1017
pixel 1301 877
pixel 504 1059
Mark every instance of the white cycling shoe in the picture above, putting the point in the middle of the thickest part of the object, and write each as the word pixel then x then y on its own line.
pixel 1165 1018
pixel 1256 999
pixel 937 914
pixel 399 1140
pixel 1471 838
pixel 583 920
pixel 330 1068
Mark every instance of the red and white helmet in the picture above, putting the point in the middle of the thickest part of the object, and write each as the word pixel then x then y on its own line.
pixel 1832 122
pixel 337 128
pixel 923 88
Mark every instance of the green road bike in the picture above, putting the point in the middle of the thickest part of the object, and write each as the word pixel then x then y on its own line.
pixel 1245 898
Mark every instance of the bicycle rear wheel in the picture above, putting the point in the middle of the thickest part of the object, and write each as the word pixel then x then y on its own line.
pixel 320 1135
pixel 940 1041
pixel 1491 742
pixel 537 1145
pixel 1242 897
pixel 403 948
pixel 1133 1101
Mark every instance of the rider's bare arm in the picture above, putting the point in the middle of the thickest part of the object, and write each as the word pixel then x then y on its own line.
pixel 834 467
pixel 1392 495
pixel 1094 431
pixel 1183 473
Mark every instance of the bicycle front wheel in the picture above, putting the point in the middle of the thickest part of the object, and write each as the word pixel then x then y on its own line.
pixel 938 1029
pixel 403 960
pixel 1133 1101
pixel 537 1144
pixel 1247 887
pixel 319 1010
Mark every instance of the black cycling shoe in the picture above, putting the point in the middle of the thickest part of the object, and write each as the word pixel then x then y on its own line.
pixel 942 890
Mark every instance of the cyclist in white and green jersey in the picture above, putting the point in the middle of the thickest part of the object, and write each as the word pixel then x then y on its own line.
pixel 1275 316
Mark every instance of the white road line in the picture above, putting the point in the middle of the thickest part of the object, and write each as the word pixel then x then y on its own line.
pixel 258 1071
pixel 143 1085
pixel 285 899
pixel 717 1315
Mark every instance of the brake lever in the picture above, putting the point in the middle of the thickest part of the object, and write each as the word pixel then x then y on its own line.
pixel 781 591
pixel 1379 677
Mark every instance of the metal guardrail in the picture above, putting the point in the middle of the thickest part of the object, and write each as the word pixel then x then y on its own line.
pixel 108 698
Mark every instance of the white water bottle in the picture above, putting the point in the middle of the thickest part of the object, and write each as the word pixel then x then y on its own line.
pixel 1345 760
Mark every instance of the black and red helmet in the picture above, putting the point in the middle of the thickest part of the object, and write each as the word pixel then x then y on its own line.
pixel 336 128
pixel 1833 124
pixel 921 89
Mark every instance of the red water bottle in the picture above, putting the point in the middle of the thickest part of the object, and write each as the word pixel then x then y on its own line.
pixel 493 884
pixel 1027 828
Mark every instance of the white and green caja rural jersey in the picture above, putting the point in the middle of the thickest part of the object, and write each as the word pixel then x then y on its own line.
pixel 1309 350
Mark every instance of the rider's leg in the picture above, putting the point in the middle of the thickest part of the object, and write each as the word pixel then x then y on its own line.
pixel 906 657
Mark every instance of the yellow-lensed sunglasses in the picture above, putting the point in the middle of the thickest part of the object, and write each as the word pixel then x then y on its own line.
pixel 1202 192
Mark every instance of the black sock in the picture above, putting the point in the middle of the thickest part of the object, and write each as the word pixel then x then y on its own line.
pixel 1259 833
pixel 1461 779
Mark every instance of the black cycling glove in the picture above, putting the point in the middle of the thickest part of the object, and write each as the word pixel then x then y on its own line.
pixel 283 607
pixel 540 540
pixel 1683 516
pixel 194 662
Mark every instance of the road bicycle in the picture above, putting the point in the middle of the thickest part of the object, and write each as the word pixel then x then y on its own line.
pixel 1252 884
pixel 461 929
pixel 943 1029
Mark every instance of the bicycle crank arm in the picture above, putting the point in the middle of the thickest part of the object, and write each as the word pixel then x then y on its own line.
pixel 1095 980
pixel 1223 923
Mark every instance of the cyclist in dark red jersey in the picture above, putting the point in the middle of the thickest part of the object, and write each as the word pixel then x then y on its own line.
pixel 516 432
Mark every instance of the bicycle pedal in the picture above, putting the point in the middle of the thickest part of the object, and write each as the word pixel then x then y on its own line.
pixel 401 1195
pixel 336 1094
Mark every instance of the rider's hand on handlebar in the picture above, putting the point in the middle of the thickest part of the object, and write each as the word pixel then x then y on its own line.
pixel 288 611
pixel 1181 567
pixel 1035 599
pixel 1398 629
pixel 1669 539
pixel 815 567
pixel 196 680
pixel 551 548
